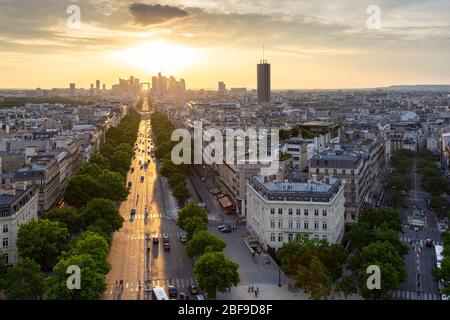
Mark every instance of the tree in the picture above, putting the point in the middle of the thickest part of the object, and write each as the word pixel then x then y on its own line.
pixel 100 160
pixel 80 190
pixel 395 199
pixel 93 244
pixel 192 219
pixel 120 162
pixel 177 178
pixel 391 264
pixel 215 273
pixel 3 269
pixel 181 193
pixel 377 217
pixel 102 213
pixel 42 241
pixel 67 217
pixel 315 279
pixel 111 185
pixel 92 279
pixel 91 169
pixel 25 281
pixel 163 149
pixel 204 241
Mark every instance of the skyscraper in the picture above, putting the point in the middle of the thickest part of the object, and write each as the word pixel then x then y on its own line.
pixel 97 85
pixel 222 88
pixel 263 81
pixel 72 89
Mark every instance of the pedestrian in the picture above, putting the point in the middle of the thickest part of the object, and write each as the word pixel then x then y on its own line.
pixel 256 294
pixel 257 289
pixel 252 288
pixel 249 289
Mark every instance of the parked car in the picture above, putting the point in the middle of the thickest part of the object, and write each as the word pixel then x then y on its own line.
pixel 200 297
pixel 193 289
pixel 142 178
pixel 165 237
pixel 133 212
pixel 226 229
pixel 429 243
pixel 221 227
pixel 183 237
pixel 155 238
pixel 173 292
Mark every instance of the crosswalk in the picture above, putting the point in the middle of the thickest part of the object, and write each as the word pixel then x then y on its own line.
pixel 181 284
pixel 172 236
pixel 150 216
pixel 406 239
pixel 413 295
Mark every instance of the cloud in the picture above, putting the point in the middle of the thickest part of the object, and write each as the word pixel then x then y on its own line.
pixel 147 14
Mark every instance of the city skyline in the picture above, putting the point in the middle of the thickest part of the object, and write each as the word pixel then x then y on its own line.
pixel 310 46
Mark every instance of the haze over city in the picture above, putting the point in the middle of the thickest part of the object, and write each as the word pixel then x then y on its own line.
pixel 320 44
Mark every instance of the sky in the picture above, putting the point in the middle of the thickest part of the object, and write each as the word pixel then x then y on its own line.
pixel 309 44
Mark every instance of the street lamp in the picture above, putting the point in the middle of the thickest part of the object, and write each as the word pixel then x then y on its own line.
pixel 279 277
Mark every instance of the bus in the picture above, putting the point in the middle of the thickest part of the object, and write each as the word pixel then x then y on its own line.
pixel 159 294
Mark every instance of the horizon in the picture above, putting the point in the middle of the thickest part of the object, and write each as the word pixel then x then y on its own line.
pixel 318 45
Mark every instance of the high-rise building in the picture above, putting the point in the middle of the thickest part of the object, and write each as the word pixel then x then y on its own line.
pixel 263 81
pixel 222 88
pixel 72 89
pixel 97 85
pixel 104 87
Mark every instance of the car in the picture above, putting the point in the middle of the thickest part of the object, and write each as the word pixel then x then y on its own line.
pixel 155 238
pixel 142 178
pixel 166 246
pixel 173 292
pixel 133 212
pixel 183 296
pixel 202 205
pixel 129 184
pixel 226 229
pixel 429 243
pixel 193 289
pixel 221 227
pixel 165 237
pixel 183 237
pixel 200 297
pixel 403 192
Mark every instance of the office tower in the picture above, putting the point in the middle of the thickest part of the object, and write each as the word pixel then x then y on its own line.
pixel 104 87
pixel 222 88
pixel 263 81
pixel 97 85
pixel 182 85
pixel 72 89
pixel 154 84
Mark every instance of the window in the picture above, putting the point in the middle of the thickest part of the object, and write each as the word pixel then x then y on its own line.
pixel 316 238
pixel 334 171
pixel 290 211
pixel 306 212
pixel 324 225
pixel 324 212
pixel 299 224
pixel 353 172
pixel 5 228
pixel 280 237
pixel 272 224
pixel 272 237
pixel 324 237
pixel 290 237
pixel 272 211
pixel 298 211
pixel 5 242
pixel 280 210
pixel 280 224
pixel 343 172
pixel 291 224
pixel 6 258
pixel 316 225
pixel 326 171
pixel 305 225
pixel 316 212
pixel 317 170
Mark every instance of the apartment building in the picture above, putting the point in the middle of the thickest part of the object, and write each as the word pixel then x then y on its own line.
pixel 279 211
pixel 18 204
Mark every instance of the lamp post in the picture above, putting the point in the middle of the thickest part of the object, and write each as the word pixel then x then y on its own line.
pixel 279 277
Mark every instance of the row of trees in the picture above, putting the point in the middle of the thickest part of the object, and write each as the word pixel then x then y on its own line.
pixel 175 174
pixel 400 179
pixel 105 174
pixel 64 237
pixel 213 271
pixel 77 235
pixel 433 182
pixel 318 268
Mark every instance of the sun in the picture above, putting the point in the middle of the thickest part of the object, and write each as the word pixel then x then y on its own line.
pixel 159 55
